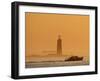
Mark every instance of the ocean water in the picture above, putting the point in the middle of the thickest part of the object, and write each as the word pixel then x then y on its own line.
pixel 51 61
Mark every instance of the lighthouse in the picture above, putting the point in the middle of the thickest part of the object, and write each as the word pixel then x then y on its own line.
pixel 59 45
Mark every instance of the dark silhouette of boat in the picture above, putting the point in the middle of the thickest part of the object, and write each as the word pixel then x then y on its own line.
pixel 74 58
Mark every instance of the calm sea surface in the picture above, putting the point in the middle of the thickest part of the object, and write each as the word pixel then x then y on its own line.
pixel 51 61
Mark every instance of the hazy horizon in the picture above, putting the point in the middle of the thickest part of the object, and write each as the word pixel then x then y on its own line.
pixel 42 30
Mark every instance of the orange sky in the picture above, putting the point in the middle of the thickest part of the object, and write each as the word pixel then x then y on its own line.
pixel 42 31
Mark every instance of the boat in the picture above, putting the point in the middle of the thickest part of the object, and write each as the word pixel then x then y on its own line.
pixel 74 58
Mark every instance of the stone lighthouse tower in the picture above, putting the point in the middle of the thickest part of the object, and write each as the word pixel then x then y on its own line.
pixel 59 45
